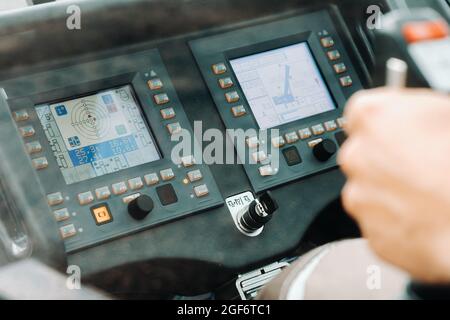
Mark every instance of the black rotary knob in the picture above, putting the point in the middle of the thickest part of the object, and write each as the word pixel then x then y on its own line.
pixel 140 207
pixel 324 150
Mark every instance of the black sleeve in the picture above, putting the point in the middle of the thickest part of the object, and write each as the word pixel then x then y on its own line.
pixel 419 291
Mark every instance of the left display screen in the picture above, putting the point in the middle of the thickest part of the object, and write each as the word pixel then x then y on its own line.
pixel 97 134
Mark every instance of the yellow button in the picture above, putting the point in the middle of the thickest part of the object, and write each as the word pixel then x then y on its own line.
pixel 101 214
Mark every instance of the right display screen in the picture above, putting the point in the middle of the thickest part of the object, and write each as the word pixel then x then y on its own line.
pixel 283 85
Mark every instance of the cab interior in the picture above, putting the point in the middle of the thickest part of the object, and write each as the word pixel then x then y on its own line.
pixel 114 208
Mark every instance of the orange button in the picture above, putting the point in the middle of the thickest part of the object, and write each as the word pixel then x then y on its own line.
pixel 101 214
pixel 426 30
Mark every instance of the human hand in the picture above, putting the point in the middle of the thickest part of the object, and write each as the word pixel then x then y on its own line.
pixel 397 163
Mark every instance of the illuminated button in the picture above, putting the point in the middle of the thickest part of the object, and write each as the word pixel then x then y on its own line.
pixel 219 68
pixel 167 113
pixel 252 142
pixel 259 156
pixel 61 214
pixel 268 170
pixel 21 115
pixel 425 30
pixel 304 133
pixel 40 163
pixel 151 179
pixel 201 191
pixel 334 55
pixel 346 81
pixel 101 214
pixel 238 111
pixel 85 198
pixel 340 68
pixel 291 137
pixel 67 231
pixel 155 84
pixel 317 129
pixel 188 161
pixel 327 42
pixel 167 174
pixel 161 98
pixel 225 83
pixel 27 131
pixel 232 97
pixel 174 128
pixel 278 142
pixel 33 147
pixel 315 142
pixel 119 188
pixel 54 199
pixel 341 122
pixel 102 193
pixel 135 183
pixel 130 198
pixel 330 125
pixel 194 175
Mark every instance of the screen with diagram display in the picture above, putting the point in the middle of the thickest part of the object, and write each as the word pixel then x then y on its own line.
pixel 97 134
pixel 283 85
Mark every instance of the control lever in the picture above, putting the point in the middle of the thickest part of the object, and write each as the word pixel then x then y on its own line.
pixel 396 73
pixel 254 216
pixel 414 45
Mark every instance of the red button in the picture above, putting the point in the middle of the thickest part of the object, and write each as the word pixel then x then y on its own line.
pixel 426 30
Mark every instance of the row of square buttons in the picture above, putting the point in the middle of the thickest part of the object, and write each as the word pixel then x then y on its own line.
pixel 161 98
pixel 334 55
pixel 305 133
pixel 32 147
pixel 118 188
pixel 101 212
pixel 175 128
pixel 232 96
pixel 156 84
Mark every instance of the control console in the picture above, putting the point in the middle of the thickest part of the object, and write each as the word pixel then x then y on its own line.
pixel 99 135
pixel 294 76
